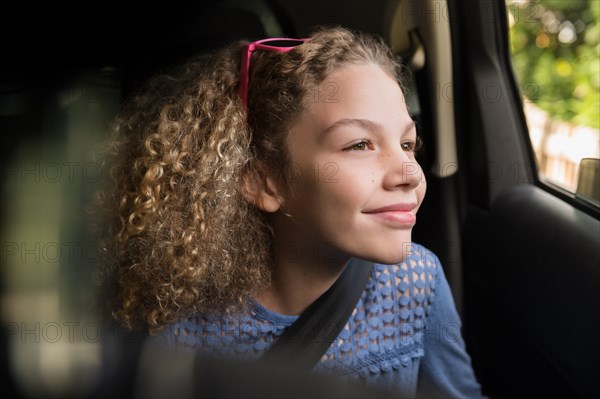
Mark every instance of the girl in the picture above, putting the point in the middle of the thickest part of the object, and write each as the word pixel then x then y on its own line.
pixel 244 183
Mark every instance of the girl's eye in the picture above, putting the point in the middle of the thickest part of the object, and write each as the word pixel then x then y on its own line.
pixel 408 145
pixel 412 146
pixel 362 145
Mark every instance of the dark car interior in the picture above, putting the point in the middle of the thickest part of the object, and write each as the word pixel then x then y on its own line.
pixel 522 258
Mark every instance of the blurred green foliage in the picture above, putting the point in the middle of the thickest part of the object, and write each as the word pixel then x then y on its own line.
pixel 556 56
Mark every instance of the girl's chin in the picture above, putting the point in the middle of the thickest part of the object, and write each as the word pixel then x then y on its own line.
pixel 387 258
pixel 382 249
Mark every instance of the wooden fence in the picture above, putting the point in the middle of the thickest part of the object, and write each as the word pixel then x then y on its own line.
pixel 559 146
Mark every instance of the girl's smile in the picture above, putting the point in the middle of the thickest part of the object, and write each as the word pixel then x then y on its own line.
pixel 401 214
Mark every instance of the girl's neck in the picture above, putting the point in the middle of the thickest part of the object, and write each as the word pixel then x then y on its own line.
pixel 300 275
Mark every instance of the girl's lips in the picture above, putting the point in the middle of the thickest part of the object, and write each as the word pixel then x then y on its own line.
pixel 398 217
pixel 402 206
pixel 400 214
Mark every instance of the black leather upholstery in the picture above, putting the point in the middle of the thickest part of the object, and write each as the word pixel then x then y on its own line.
pixel 534 290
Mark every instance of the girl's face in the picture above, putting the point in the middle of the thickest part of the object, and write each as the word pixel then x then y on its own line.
pixel 356 184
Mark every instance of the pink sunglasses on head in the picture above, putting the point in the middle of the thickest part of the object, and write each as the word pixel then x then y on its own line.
pixel 278 45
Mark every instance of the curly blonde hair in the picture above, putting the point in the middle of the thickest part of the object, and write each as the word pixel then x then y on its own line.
pixel 178 236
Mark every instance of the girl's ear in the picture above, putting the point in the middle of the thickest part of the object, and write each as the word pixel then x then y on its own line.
pixel 259 189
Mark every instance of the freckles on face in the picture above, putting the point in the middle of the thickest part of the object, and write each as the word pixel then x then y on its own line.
pixel 357 185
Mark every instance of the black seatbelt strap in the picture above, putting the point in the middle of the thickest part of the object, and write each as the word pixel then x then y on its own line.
pixel 307 339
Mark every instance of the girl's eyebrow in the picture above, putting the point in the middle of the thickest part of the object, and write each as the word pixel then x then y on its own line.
pixel 363 123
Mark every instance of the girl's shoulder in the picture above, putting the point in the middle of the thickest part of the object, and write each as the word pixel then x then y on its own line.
pixel 245 333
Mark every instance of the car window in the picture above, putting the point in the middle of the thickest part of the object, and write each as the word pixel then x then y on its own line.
pixel 555 55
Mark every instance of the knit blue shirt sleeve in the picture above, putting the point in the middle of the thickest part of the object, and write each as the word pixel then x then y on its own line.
pixel 445 369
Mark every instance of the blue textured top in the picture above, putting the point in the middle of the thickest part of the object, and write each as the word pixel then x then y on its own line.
pixel 403 333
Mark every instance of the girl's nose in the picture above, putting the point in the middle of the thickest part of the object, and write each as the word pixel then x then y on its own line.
pixel 402 171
